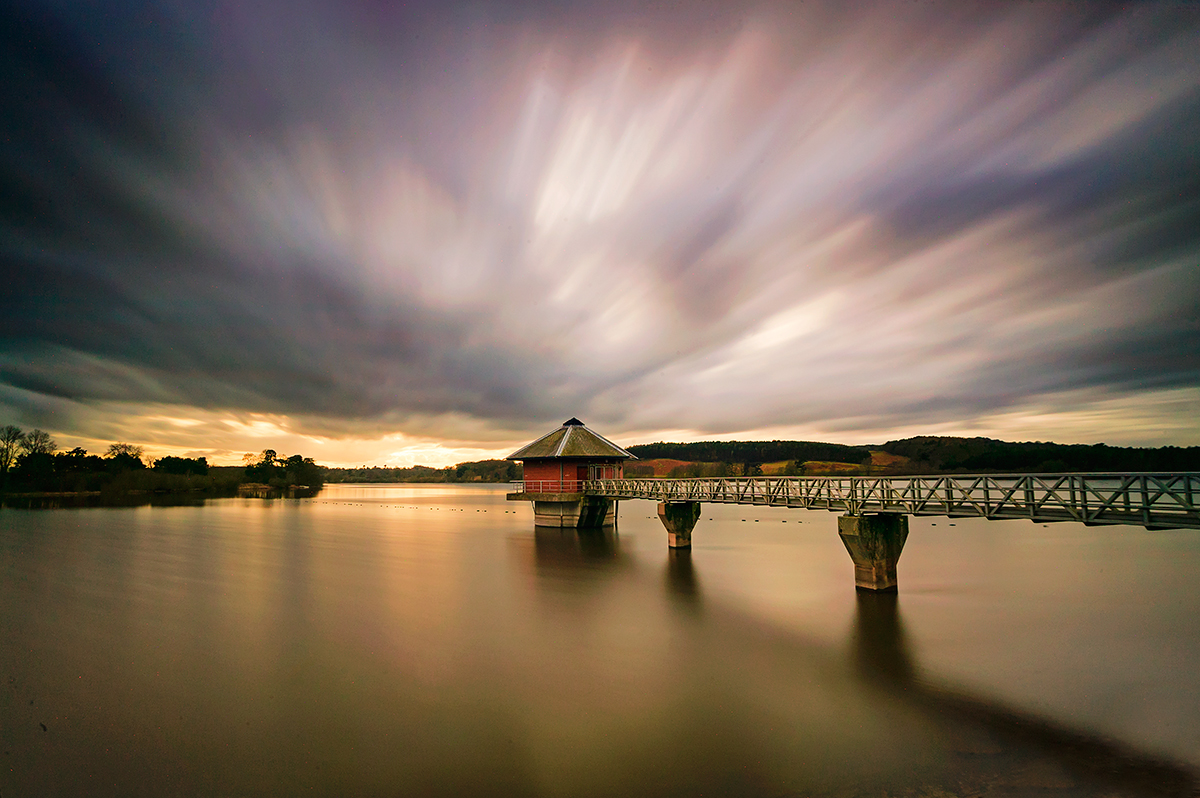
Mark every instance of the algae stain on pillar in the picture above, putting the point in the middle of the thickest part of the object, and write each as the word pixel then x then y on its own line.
pixel 874 543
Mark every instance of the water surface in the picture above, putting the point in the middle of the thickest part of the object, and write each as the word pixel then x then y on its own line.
pixel 427 640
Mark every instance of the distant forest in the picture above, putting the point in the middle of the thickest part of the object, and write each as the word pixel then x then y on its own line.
pixel 479 471
pixel 751 451
pixel 926 455
pixel 31 463
pixel 930 454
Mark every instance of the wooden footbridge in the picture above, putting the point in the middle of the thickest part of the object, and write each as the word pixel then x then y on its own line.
pixel 1155 501
pixel 573 478
pixel 874 526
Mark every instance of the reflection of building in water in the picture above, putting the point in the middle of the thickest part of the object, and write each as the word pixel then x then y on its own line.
pixel 572 561
pixel 569 547
pixel 555 467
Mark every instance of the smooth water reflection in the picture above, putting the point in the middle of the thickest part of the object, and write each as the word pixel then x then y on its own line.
pixel 427 640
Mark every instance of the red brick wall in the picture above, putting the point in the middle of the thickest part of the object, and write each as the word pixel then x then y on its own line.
pixel 543 469
pixel 571 470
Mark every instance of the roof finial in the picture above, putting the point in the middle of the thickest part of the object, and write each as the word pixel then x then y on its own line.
pixel 573 422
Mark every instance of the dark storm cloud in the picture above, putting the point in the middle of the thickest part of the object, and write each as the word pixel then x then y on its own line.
pixel 114 295
pixel 1148 173
pixel 373 215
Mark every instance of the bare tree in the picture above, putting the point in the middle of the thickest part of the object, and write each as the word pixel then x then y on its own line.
pixel 10 441
pixel 127 449
pixel 38 442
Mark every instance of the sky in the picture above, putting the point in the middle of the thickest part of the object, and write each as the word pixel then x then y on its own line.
pixel 397 233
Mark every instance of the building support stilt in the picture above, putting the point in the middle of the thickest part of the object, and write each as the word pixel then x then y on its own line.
pixel 874 543
pixel 679 518
pixel 594 512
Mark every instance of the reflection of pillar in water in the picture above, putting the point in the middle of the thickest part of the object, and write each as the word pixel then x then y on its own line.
pixel 681 576
pixel 880 646
pixel 881 657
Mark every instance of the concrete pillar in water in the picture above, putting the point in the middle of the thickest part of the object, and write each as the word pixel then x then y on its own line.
pixel 679 518
pixel 556 513
pixel 874 543
pixel 587 512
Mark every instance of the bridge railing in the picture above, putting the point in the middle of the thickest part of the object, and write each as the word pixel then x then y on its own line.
pixel 1150 499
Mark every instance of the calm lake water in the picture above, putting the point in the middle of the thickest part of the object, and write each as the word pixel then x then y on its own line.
pixel 425 640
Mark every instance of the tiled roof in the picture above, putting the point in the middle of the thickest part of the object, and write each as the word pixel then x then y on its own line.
pixel 572 439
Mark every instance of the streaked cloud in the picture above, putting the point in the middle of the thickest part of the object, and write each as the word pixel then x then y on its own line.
pixel 381 230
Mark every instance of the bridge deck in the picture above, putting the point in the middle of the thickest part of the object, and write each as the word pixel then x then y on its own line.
pixel 1155 501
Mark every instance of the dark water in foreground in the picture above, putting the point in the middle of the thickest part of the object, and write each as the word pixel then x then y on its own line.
pixel 425 640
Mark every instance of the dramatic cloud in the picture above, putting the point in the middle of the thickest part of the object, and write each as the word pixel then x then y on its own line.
pixel 402 229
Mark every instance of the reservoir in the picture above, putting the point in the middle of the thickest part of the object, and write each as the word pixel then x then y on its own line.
pixel 426 640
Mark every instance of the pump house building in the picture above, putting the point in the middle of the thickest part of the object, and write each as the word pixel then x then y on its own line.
pixel 555 468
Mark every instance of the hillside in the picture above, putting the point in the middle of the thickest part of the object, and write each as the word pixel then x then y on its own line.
pixel 920 455
pixel 751 451
pixel 932 454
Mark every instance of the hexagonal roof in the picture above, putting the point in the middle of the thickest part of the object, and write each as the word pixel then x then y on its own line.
pixel 572 439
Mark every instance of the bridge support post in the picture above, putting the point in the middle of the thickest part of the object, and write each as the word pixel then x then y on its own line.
pixel 874 543
pixel 679 518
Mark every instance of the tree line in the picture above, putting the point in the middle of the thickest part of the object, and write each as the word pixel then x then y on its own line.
pixel 934 454
pixel 927 454
pixel 751 451
pixel 31 463
pixel 742 458
pixel 477 471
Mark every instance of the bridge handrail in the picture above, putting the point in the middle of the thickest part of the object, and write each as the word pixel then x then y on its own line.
pixel 1151 499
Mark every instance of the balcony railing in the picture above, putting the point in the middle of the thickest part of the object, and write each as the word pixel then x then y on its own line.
pixel 548 486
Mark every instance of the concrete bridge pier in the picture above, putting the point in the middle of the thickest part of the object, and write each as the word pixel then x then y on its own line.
pixel 679 518
pixel 874 543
